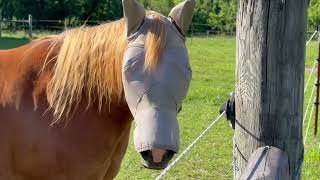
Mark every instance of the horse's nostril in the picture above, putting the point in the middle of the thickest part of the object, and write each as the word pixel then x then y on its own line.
pixel 146 155
pixel 169 156
pixel 156 159
pixel 158 155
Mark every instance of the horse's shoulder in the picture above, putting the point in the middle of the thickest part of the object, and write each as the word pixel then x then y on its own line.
pixel 21 71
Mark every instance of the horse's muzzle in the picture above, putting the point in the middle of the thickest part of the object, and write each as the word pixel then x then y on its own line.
pixel 156 159
pixel 156 136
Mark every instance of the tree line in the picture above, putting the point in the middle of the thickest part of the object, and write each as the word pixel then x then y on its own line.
pixel 219 15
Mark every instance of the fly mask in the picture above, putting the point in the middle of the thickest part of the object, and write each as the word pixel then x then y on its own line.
pixel 155 97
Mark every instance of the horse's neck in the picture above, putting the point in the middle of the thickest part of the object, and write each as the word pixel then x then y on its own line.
pixel 19 70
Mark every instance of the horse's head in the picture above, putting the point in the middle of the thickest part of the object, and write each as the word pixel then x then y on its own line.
pixel 156 78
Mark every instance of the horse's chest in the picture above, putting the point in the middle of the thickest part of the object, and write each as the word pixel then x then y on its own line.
pixel 34 149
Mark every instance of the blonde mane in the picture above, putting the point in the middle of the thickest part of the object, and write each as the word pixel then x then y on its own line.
pixel 89 64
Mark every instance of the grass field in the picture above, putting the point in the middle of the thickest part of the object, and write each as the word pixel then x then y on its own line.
pixel 213 64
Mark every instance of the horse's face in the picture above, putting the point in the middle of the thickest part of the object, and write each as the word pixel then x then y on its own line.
pixel 155 96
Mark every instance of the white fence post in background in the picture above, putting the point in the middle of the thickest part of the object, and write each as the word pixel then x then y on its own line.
pixel 65 23
pixel 30 25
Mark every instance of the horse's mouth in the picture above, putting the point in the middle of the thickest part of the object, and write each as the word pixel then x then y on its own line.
pixel 148 160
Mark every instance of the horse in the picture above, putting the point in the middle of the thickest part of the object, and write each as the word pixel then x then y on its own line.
pixel 67 101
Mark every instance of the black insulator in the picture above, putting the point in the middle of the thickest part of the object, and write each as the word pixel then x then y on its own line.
pixel 230 108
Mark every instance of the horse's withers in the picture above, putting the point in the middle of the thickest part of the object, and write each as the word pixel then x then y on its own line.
pixel 155 97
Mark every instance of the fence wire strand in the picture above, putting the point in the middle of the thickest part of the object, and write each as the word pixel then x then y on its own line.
pixel 309 122
pixel 309 78
pixel 315 32
pixel 204 133
pixel 314 64
pixel 311 95
pixel 309 102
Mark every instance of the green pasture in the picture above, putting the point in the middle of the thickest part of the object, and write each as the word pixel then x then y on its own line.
pixel 213 64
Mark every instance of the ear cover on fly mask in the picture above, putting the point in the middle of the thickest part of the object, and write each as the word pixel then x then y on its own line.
pixel 134 13
pixel 182 15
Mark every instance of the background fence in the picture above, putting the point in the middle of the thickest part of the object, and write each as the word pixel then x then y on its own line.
pixel 30 26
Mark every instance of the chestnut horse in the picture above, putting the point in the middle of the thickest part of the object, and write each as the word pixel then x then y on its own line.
pixel 67 101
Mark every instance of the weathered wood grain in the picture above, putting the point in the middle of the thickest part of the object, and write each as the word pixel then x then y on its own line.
pixel 271 36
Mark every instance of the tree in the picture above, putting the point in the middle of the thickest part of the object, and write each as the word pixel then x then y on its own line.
pixel 223 15
pixel 210 14
pixel 1 18
pixel 201 16
pixel 163 6
pixel 314 14
pixel 105 10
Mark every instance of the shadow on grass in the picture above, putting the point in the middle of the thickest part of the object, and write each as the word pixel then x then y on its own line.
pixel 9 43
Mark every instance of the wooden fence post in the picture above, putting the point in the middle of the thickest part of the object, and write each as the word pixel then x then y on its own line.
pixel 271 37
pixel 30 25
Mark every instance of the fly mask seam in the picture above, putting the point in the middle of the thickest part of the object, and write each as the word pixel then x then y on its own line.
pixel 146 90
pixel 140 99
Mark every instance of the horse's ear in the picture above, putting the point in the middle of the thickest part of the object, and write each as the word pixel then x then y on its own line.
pixel 134 13
pixel 182 15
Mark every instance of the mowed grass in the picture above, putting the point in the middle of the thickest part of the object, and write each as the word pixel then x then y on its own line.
pixel 311 168
pixel 213 65
pixel 12 42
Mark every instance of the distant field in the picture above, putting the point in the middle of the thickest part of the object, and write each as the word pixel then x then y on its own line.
pixel 213 64
pixel 11 42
